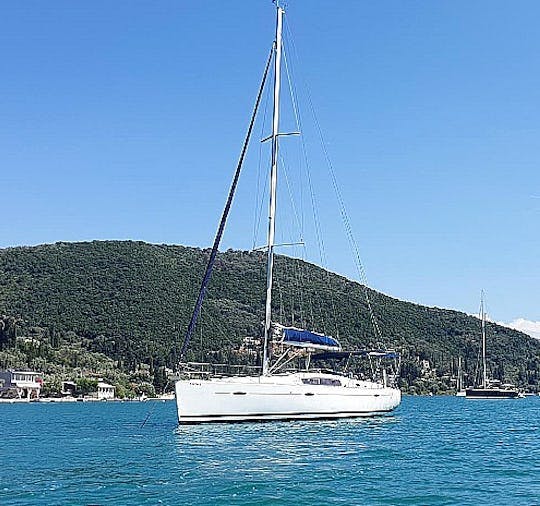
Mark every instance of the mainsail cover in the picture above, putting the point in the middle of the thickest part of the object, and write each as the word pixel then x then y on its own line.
pixel 305 338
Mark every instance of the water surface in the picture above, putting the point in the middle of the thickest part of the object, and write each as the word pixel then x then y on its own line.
pixel 432 450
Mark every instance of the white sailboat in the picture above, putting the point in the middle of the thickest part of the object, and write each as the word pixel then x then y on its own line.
pixel 274 393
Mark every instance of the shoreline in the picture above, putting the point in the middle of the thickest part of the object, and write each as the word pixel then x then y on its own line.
pixel 62 400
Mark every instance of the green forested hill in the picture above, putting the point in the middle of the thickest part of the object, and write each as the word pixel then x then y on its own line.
pixel 131 301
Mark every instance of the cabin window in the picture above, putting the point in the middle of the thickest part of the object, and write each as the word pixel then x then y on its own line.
pixel 322 381
pixel 330 382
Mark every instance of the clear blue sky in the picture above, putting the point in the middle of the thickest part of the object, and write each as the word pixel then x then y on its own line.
pixel 123 120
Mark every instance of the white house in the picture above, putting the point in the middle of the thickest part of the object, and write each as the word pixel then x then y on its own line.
pixel 105 391
pixel 20 384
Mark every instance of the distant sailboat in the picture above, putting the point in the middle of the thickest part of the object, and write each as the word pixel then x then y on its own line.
pixel 276 393
pixel 489 389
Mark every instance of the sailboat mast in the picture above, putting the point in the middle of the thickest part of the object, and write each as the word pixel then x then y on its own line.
pixel 459 375
pixel 483 342
pixel 273 186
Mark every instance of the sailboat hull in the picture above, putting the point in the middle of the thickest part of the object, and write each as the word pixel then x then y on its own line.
pixel 491 393
pixel 281 397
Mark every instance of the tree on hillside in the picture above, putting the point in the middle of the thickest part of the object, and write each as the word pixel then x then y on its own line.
pixel 160 380
pixel 86 386
pixel 8 330
pixel 131 302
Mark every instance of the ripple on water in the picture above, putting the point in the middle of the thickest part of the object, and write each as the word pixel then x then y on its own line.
pixel 430 451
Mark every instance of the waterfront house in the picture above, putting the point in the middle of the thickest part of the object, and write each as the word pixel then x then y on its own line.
pixel 105 391
pixel 20 384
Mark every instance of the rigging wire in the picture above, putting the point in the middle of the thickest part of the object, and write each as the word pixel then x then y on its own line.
pixel 316 220
pixel 292 309
pixel 295 108
pixel 259 197
pixel 300 269
pixel 224 216
pixel 289 191
pixel 305 273
pixel 477 375
pixel 343 211
pixel 300 283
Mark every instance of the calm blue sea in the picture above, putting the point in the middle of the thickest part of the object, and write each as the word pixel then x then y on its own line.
pixel 432 450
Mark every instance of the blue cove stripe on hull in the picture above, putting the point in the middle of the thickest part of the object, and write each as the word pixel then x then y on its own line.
pixel 230 418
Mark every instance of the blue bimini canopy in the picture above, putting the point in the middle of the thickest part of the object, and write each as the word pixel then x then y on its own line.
pixel 305 338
